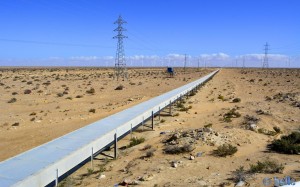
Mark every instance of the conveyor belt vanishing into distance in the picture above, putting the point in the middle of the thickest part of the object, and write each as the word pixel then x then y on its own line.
pixel 44 164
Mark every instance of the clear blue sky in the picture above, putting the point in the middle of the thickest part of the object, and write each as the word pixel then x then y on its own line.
pixel 41 29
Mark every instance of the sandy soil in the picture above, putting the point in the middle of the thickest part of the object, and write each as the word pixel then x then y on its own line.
pixel 52 108
pixel 251 86
pixel 208 106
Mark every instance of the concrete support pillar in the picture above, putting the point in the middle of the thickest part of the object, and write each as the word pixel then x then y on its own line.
pixel 152 120
pixel 116 146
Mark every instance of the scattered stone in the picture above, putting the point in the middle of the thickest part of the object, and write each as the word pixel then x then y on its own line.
pixel 199 154
pixel 207 129
pixel 174 164
pixel 202 183
pixel 192 157
pixel 125 182
pixel 135 182
pixel 147 177
pixel 102 176
pixel 239 184
pixel 253 127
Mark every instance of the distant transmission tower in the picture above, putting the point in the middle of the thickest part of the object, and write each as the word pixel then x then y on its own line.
pixel 120 64
pixel 184 62
pixel 243 61
pixel 265 62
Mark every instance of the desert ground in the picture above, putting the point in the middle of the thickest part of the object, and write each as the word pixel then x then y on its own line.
pixel 246 108
pixel 38 105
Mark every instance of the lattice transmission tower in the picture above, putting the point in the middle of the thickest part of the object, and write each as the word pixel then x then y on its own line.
pixel 120 64
pixel 266 60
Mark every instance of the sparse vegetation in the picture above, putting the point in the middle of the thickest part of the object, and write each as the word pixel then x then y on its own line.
pixel 162 120
pixel 12 100
pixel 150 152
pixel 221 97
pixel 27 91
pixel 289 144
pixel 135 141
pixel 91 91
pixel 236 100
pixel 89 171
pixel 15 124
pixel 233 113
pixel 277 130
pixel 267 166
pixel 79 96
pixel 225 150
pixel 120 87
pixel 240 174
pixel 92 110
pixel 266 132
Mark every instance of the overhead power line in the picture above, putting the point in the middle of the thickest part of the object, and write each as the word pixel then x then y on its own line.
pixel 52 43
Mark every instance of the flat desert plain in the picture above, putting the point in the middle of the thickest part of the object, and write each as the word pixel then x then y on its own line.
pixel 38 105
pixel 245 108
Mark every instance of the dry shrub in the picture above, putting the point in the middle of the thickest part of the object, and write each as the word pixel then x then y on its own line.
pixel 225 150
pixel 12 100
pixel 267 166
pixel 289 144
pixel 135 141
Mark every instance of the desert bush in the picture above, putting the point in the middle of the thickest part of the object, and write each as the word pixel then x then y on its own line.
pixel 27 91
pixel 12 100
pixel 150 152
pixel 79 96
pixel 15 124
pixel 176 149
pixel 89 171
pixel 135 141
pixel 70 98
pixel 277 130
pixel 162 120
pixel 221 97
pixel 240 174
pixel 267 166
pixel 192 94
pixel 236 100
pixel 91 91
pixel 180 105
pixel 14 93
pixel 225 150
pixel 289 144
pixel 60 94
pixel 266 132
pixel 120 87
pixel 233 113
pixel 92 110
